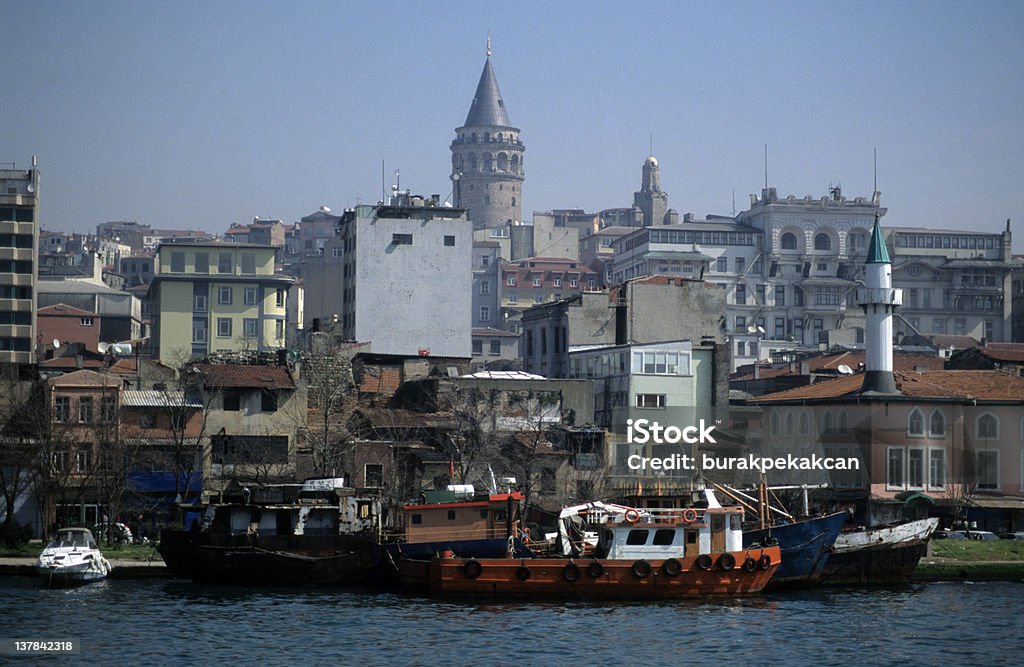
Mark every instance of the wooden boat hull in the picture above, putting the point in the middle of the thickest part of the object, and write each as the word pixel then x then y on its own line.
pixel 880 556
pixel 270 560
pixel 806 547
pixel 598 579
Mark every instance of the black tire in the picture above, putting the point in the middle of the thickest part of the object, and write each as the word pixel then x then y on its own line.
pixel 523 573
pixel 749 564
pixel 595 570
pixel 642 569
pixel 704 562
pixel 727 562
pixel 672 567
pixel 571 572
pixel 472 568
pixel 765 562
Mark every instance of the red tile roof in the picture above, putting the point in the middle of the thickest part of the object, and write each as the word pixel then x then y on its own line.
pixel 964 385
pixel 851 358
pixel 1004 351
pixel 237 375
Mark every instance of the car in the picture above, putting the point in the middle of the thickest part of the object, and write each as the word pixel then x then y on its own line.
pixel 1019 535
pixel 984 535
pixel 952 535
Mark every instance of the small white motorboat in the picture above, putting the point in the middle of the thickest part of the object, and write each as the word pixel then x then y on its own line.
pixel 72 558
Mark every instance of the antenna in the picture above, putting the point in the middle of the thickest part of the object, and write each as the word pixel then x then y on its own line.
pixel 766 165
pixel 488 43
pixel 383 184
pixel 875 189
pixel 734 202
pixel 651 144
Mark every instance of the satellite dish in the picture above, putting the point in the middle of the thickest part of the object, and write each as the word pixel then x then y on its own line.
pixel 56 343
pixel 103 347
pixel 751 329
pixel 845 370
pixel 760 329
pixel 31 188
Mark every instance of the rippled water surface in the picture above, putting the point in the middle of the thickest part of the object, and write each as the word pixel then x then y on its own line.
pixel 173 622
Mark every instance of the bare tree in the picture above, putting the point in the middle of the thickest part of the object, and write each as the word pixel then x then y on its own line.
pixel 18 446
pixel 530 414
pixel 471 442
pixel 331 398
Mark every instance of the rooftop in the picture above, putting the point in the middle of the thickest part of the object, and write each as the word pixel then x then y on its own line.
pixel 996 386
pixel 227 376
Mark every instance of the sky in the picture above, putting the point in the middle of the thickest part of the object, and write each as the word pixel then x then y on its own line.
pixel 199 115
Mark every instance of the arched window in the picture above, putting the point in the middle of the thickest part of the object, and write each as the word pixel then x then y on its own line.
pixel 937 424
pixel 827 423
pixel 488 162
pixel 790 424
pixel 471 159
pixel 789 241
pixel 915 423
pixel 987 426
pixel 775 423
pixel 822 241
pixel 843 422
pixel 502 162
pixel 804 423
pixel 515 164
pixel 513 201
pixel 474 137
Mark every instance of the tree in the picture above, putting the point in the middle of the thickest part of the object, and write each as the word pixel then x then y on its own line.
pixel 471 440
pixel 331 397
pixel 18 447
pixel 529 415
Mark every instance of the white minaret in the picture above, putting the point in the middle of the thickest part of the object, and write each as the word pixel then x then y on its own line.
pixel 879 301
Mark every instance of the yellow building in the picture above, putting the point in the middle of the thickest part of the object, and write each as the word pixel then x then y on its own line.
pixel 216 297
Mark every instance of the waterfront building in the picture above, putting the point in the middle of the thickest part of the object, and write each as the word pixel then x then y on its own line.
pixel 495 348
pixel 19 247
pixel 216 297
pixel 398 276
pixel 487 158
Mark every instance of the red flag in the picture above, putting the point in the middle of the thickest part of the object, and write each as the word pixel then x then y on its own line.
pixel 451 469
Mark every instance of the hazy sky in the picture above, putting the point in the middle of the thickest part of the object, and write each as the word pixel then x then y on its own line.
pixel 204 114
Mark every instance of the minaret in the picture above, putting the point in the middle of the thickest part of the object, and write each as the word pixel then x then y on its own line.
pixel 879 300
pixel 487 158
pixel 650 199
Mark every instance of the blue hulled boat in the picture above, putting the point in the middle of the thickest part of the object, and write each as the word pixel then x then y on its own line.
pixel 806 545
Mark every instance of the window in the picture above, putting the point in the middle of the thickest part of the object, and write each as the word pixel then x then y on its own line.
pixel 199 331
pixel 822 242
pixel 637 537
pixel 202 262
pixel 538 297
pixel 279 329
pixel 987 468
pixel 572 282
pixel 279 297
pixel 513 297
pixel 827 423
pixel 250 296
pixel 915 467
pixel 85 321
pixel 741 295
pixel 485 260
pixel 224 296
pixel 232 400
pixel 485 287
pixel 401 239
pixel 495 346
pixel 249 327
pixel 268 400
pixel 987 426
pixel 722 264
pixel 199 303
pixel 85 409
pixel 248 263
pixel 557 282
pixel 147 420
pixel 915 423
pixel 449 240
pixel 478 347
pixel 894 468
pixel 789 241
pixel 373 476
pixel 780 295
pixel 177 262
pixel 485 313
pixel 225 263
pixel 108 409
pixel 664 537
pixel 83 460
pixel 224 327
pixel 937 424
pixel 741 264
pixel 937 468
pixel 511 280
pixel 536 282
pixel 650 400
pixel 61 409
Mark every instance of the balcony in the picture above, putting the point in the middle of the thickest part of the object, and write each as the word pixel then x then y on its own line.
pixel 880 295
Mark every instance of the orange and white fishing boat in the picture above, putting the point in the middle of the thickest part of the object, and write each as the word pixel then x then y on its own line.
pixel 640 554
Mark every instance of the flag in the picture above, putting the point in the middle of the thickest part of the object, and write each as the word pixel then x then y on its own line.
pixel 451 468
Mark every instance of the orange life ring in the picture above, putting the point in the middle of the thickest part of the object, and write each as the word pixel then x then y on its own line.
pixel 689 515
pixel 632 515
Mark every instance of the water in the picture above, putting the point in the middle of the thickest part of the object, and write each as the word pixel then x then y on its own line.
pixel 165 622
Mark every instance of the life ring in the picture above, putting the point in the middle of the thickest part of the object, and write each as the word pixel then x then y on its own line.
pixel 689 515
pixel 672 567
pixel 749 564
pixel 472 568
pixel 727 561
pixel 642 569
pixel 704 562
pixel 632 515
pixel 523 573
pixel 571 572
pixel 765 562
pixel 595 569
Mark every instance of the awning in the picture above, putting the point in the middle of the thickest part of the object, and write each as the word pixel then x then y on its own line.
pixel 910 496
pixel 999 503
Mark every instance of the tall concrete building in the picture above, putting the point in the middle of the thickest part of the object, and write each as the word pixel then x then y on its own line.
pixel 398 277
pixel 19 245
pixel 487 158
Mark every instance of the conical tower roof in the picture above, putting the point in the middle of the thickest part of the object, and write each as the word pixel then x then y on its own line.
pixel 488 108
pixel 877 252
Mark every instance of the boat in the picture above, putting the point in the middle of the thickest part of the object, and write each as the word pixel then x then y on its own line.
pixel 318 534
pixel 641 554
pixel 70 559
pixel 806 546
pixel 883 556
